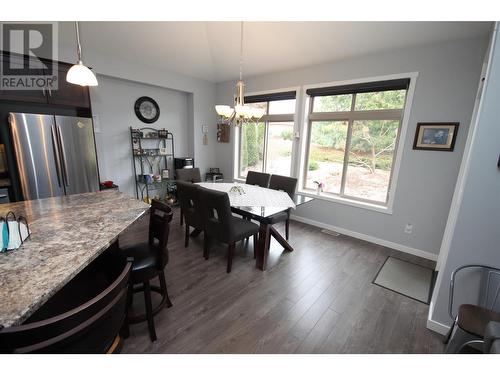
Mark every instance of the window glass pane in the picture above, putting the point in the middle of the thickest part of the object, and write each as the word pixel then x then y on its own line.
pixel 326 155
pixel 380 100
pixel 280 107
pixel 251 148
pixel 279 148
pixel 333 103
pixel 370 159
pixel 262 105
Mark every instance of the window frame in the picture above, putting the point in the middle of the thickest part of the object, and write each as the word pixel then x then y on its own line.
pixel 351 116
pixel 266 119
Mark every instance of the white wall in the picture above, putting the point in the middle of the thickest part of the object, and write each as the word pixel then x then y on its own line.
pixel 475 235
pixel 445 91
pixel 113 102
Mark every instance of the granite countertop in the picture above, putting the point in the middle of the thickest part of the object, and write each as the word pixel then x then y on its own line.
pixel 67 233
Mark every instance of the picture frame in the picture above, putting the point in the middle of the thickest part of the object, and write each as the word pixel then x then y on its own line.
pixel 165 174
pixel 435 136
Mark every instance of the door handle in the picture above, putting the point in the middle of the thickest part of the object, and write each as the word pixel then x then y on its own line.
pixel 63 152
pixel 56 154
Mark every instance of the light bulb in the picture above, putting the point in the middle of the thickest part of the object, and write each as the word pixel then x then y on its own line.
pixel 79 74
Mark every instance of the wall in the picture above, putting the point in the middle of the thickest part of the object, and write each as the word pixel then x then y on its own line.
pixel 113 102
pixel 475 235
pixel 445 91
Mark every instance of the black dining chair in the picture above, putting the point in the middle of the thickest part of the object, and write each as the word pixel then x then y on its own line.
pixel 89 326
pixel 149 261
pixel 288 185
pixel 187 194
pixel 191 175
pixel 258 178
pixel 220 224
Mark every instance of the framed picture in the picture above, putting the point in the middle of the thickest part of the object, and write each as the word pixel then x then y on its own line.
pixel 165 174
pixel 435 136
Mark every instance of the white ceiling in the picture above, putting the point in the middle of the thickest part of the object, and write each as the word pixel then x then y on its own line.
pixel 210 50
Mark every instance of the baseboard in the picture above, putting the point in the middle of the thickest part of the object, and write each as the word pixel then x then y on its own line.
pixel 440 328
pixel 368 238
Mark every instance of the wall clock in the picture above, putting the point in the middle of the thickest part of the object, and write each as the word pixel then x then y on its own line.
pixel 146 109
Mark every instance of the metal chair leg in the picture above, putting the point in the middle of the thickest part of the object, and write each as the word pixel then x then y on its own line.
pixel 459 340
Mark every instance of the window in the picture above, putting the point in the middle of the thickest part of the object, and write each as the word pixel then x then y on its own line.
pixel 353 132
pixel 267 146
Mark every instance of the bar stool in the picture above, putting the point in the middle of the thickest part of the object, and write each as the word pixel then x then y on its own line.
pixel 150 259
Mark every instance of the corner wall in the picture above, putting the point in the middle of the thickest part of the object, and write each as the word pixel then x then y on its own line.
pixel 475 235
pixel 445 91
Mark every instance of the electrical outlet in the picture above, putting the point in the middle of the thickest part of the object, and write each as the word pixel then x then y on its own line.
pixel 408 228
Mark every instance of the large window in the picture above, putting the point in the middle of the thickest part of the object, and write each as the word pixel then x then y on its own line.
pixel 353 133
pixel 267 146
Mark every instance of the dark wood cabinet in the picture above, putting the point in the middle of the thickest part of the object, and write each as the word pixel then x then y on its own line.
pixel 66 94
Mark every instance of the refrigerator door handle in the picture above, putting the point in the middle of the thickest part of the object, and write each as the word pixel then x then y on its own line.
pixel 63 152
pixel 56 153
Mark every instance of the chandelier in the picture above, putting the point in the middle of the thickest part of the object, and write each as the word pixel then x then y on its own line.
pixel 241 113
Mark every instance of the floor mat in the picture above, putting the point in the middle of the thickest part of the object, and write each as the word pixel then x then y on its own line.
pixel 408 279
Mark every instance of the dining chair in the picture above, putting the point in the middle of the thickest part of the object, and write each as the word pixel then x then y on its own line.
pixel 469 324
pixel 220 224
pixel 258 178
pixel 188 198
pixel 191 175
pixel 90 327
pixel 288 185
pixel 149 261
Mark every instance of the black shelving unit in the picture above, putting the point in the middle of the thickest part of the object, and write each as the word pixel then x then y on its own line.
pixel 153 152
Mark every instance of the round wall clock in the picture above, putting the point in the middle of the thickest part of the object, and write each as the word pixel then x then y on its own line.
pixel 146 109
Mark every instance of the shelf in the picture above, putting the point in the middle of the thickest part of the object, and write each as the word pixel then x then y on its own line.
pixel 146 155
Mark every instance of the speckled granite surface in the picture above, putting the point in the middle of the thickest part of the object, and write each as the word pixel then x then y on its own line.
pixel 67 234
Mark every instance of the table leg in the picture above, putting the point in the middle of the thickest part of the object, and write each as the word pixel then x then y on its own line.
pixel 283 242
pixel 263 248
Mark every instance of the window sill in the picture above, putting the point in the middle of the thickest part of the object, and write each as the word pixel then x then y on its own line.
pixel 350 202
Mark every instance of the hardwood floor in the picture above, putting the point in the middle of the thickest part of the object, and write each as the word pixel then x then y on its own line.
pixel 317 299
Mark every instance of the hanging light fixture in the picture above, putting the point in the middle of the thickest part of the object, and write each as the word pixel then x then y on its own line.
pixel 241 112
pixel 79 74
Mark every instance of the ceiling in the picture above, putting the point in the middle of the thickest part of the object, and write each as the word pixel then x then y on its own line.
pixel 210 50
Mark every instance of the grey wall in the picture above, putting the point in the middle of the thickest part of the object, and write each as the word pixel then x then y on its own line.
pixel 445 91
pixel 475 237
pixel 113 102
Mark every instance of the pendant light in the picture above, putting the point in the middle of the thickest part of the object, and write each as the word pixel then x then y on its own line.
pixel 79 74
pixel 241 112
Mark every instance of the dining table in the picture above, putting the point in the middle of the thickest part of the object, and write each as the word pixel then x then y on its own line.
pixel 260 204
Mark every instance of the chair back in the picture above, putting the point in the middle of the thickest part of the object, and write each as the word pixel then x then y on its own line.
pixel 216 214
pixel 188 175
pixel 258 178
pixel 187 194
pixel 160 216
pixel 89 328
pixel 287 184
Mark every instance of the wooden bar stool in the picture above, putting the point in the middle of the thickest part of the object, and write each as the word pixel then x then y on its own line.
pixel 150 259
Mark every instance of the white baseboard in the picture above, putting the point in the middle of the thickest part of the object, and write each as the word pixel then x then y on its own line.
pixel 440 328
pixel 368 238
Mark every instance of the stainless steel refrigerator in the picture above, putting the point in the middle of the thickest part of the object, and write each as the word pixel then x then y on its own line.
pixel 55 155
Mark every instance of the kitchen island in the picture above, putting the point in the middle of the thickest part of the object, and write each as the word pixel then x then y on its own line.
pixel 67 234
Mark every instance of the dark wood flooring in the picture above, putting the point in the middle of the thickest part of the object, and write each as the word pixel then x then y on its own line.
pixel 317 299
